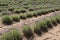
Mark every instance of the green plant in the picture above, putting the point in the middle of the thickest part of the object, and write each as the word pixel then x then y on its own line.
pixel 40 26
pixel 39 13
pixel 29 15
pixel 10 9
pixel 17 11
pixel 58 18
pixel 3 4
pixel 7 20
pixel 27 31
pixel 54 21
pixel 23 11
pixel 43 25
pixel 0 10
pixel 53 10
pixel 34 14
pixel 48 21
pixel 23 16
pixel 44 12
pixel 5 13
pixel 48 10
pixel 12 35
pixel 57 9
pixel 31 9
pixel 37 28
pixel 26 7
pixel 16 18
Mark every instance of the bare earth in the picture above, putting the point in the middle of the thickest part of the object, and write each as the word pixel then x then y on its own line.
pixel 52 34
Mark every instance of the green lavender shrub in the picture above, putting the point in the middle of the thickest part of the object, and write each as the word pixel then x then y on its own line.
pixel 27 31
pixel 58 18
pixel 23 16
pixel 48 21
pixel 16 18
pixel 5 13
pixel 43 26
pixel 37 29
pixel 29 15
pixel 12 35
pixel 7 20
pixel 54 21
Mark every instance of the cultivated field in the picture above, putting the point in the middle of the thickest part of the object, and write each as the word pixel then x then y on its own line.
pixel 28 19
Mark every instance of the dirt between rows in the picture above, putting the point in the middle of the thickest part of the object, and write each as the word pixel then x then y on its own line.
pixel 53 34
